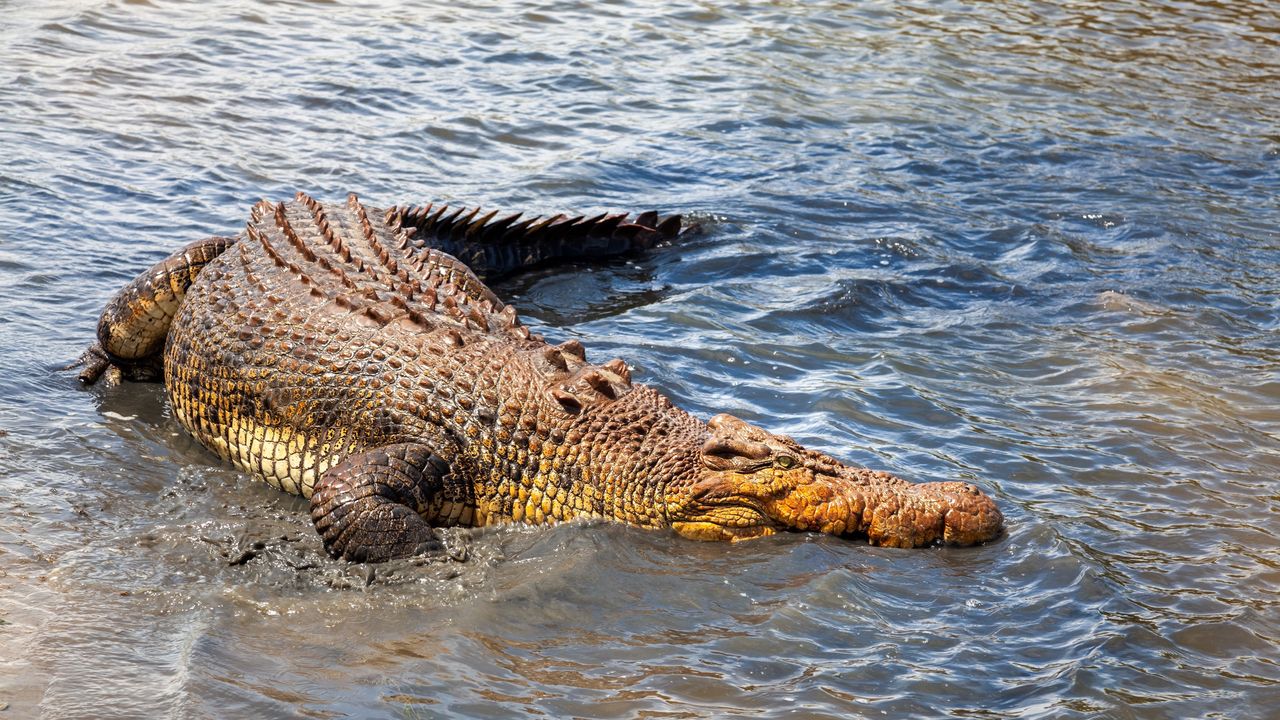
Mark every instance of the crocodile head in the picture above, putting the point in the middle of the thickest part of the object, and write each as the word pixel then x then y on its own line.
pixel 752 483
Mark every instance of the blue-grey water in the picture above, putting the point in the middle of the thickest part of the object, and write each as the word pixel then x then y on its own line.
pixel 1030 244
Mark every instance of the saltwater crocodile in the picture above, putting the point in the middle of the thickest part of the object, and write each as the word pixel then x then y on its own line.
pixel 339 352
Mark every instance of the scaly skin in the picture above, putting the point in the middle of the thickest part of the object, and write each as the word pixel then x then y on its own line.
pixel 331 353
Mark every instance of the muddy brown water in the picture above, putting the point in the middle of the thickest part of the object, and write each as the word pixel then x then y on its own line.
pixel 1030 245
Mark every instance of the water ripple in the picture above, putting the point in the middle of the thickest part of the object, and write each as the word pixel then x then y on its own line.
pixel 1026 244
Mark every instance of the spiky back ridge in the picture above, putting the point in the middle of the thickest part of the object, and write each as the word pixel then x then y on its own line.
pixel 379 275
pixel 355 260
pixel 493 246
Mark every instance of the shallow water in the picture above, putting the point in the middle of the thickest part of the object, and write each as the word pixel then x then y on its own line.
pixel 1031 245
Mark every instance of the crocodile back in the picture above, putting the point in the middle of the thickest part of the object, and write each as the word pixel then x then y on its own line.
pixel 305 341
pixel 325 331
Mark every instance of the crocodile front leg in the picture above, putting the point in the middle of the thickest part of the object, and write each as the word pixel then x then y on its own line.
pixel 135 323
pixel 370 506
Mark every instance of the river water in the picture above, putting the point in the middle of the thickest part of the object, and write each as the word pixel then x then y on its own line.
pixel 1032 245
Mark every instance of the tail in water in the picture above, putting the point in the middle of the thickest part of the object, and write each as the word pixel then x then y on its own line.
pixel 494 246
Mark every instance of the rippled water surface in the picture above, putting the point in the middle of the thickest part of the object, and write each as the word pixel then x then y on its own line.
pixel 1033 245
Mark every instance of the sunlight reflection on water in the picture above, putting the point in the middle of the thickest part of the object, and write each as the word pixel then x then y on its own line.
pixel 1025 244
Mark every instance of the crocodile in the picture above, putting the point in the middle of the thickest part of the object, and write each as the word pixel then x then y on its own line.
pixel 357 357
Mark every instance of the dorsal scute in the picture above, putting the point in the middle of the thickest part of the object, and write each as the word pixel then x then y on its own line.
pixel 575 385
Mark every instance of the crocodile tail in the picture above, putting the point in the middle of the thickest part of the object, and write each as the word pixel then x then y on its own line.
pixel 493 245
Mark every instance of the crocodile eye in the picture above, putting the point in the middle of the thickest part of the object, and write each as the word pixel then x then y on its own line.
pixel 786 462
